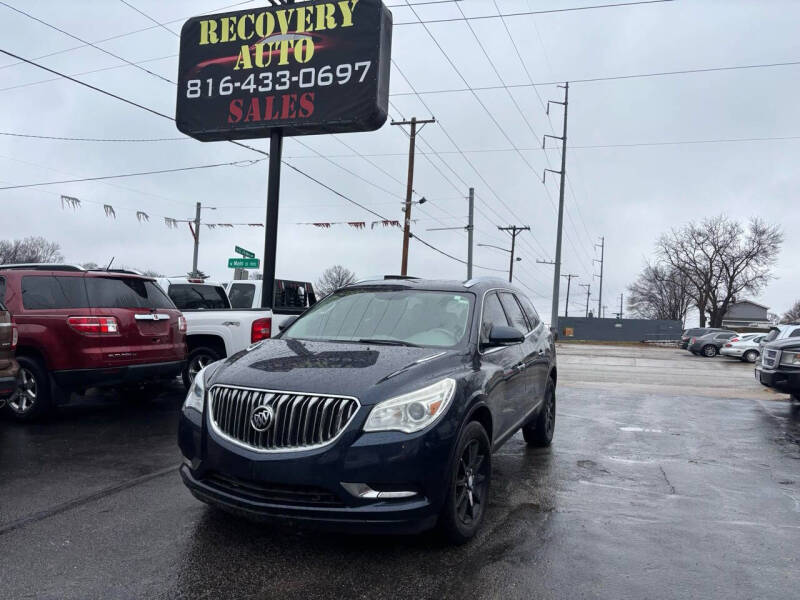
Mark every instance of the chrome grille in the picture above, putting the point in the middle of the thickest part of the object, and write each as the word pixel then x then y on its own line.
pixel 299 421
pixel 769 358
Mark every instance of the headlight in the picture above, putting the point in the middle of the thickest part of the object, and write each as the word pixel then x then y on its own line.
pixel 790 359
pixel 197 392
pixel 413 411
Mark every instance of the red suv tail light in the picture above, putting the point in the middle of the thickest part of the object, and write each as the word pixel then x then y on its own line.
pixel 262 330
pixel 94 325
pixel 181 324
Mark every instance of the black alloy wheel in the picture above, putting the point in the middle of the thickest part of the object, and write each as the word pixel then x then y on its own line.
pixel 539 432
pixel 468 494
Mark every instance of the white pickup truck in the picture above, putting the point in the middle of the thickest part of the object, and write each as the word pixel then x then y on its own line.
pixel 215 328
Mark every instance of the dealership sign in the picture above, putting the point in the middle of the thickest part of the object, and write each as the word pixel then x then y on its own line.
pixel 306 68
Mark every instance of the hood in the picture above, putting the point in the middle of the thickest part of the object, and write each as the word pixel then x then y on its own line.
pixel 783 344
pixel 327 367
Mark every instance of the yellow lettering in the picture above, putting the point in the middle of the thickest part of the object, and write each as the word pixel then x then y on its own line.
pixel 265 25
pixel 241 29
pixel 284 46
pixel 304 50
pixel 284 16
pixel 258 50
pixel 243 62
pixel 208 32
pixel 228 29
pixel 304 20
pixel 347 7
pixel 325 18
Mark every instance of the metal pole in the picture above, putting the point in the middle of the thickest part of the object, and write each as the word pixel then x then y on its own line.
pixel 588 287
pixel 271 229
pixel 511 265
pixel 409 191
pixel 569 279
pixel 470 228
pixel 196 233
pixel 620 306
pixel 602 245
pixel 557 269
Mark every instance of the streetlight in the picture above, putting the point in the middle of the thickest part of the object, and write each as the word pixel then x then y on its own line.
pixel 512 261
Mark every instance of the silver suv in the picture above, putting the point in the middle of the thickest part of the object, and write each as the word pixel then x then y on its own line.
pixel 780 332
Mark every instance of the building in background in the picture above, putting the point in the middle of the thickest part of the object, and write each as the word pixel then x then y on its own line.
pixel 746 315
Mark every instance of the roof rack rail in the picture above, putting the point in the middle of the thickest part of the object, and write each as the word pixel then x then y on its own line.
pixel 399 277
pixel 42 267
pixel 475 280
pixel 125 271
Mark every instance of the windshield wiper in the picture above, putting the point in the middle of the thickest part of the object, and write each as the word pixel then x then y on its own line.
pixel 386 342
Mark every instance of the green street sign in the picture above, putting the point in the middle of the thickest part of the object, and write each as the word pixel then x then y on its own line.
pixel 243 252
pixel 243 263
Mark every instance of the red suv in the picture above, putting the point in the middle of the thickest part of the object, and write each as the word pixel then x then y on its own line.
pixel 80 329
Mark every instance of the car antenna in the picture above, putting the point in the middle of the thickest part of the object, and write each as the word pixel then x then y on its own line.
pixel 109 262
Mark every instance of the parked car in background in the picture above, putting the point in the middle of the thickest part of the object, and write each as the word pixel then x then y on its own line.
pixel 377 410
pixel 8 344
pixel 709 344
pixel 215 330
pixel 291 297
pixel 696 332
pixel 780 332
pixel 80 329
pixel 744 347
pixel 779 367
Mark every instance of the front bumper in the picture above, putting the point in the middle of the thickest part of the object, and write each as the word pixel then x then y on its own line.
pixel 306 485
pixel 783 380
pixel 84 378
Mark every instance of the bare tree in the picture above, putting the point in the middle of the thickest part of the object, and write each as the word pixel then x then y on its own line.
pixel 793 314
pixel 332 279
pixel 32 249
pixel 722 259
pixel 660 292
pixel 775 318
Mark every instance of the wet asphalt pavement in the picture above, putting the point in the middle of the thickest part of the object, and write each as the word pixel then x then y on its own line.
pixel 670 477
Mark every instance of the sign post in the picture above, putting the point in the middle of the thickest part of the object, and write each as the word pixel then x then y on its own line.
pixel 308 68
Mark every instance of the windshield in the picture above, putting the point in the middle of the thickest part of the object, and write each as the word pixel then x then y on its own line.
pixel 408 317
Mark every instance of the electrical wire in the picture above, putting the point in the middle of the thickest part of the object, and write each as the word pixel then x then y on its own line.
pixel 82 139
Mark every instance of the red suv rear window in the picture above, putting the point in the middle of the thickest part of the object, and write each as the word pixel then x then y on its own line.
pixel 41 292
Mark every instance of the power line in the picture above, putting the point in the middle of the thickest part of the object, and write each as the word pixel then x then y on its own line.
pixel 121 176
pixel 529 12
pixel 84 139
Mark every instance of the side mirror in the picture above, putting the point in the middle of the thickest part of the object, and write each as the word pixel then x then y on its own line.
pixel 501 335
pixel 286 323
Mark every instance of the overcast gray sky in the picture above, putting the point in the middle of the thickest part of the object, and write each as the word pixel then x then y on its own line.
pixel 628 193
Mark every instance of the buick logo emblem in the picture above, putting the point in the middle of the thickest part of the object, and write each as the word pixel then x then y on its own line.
pixel 261 418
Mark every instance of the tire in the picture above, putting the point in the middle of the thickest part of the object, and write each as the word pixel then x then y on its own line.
pixel 538 433
pixel 34 396
pixel 468 485
pixel 710 351
pixel 750 356
pixel 197 359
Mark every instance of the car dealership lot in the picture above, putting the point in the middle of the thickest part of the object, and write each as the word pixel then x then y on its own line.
pixel 670 476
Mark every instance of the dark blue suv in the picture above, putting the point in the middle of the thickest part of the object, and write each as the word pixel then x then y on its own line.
pixel 377 410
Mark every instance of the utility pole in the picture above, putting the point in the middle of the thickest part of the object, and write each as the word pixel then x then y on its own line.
pixel 588 287
pixel 620 306
pixel 562 173
pixel 469 229
pixel 514 230
pixel 410 185
pixel 196 236
pixel 602 314
pixel 569 279
pixel 602 246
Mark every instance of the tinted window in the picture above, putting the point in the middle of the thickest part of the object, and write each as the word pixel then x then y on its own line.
pixel 423 318
pixel 2 289
pixel 187 296
pixel 772 335
pixel 514 312
pixel 125 292
pixel 43 292
pixel 290 294
pixel 241 295
pixel 493 314
pixel 530 311
pixel 725 336
pixel 795 333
